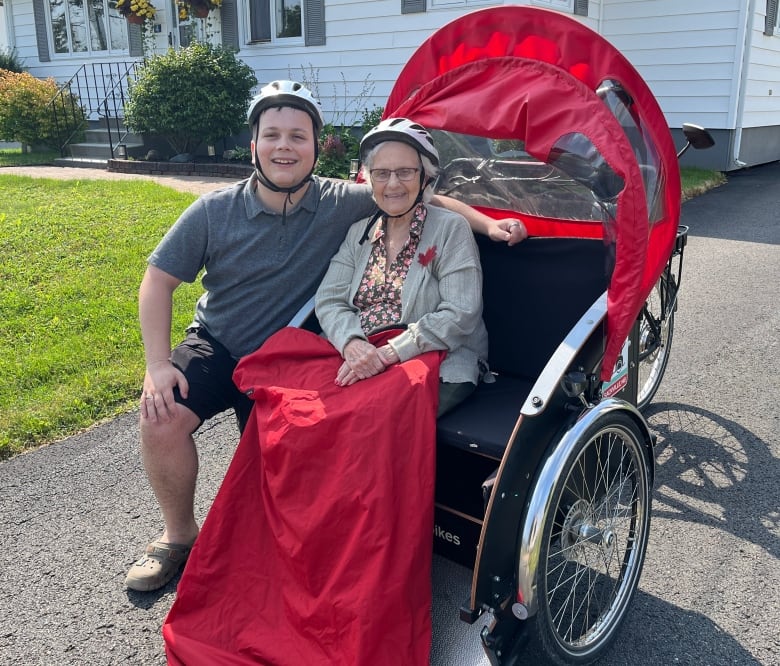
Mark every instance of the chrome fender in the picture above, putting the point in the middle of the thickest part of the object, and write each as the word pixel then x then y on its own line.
pixel 541 498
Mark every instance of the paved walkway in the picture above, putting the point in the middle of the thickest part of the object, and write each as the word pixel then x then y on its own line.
pixel 194 184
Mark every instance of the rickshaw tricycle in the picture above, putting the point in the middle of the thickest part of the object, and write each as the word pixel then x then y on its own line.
pixel 544 478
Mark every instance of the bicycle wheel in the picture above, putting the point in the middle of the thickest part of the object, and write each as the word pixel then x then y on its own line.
pixel 594 541
pixel 655 339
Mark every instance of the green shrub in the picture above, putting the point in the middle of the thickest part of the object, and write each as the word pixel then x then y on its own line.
pixel 339 145
pixel 32 111
pixel 9 60
pixel 194 95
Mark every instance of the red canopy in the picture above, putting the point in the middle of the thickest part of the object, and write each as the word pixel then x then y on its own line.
pixel 531 74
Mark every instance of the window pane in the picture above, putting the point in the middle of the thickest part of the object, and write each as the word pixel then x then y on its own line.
pixel 260 21
pixel 97 25
pixel 78 28
pixel 288 18
pixel 59 26
pixel 118 28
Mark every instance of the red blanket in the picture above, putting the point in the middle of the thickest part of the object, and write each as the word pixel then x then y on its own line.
pixel 317 549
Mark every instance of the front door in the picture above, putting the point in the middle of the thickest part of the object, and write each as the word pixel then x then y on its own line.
pixel 184 31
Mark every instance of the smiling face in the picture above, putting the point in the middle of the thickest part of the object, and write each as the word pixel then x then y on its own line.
pixel 395 197
pixel 284 145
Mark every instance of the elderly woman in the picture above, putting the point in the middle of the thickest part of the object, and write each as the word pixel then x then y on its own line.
pixel 412 265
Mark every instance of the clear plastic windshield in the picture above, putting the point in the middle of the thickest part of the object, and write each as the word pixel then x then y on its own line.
pixel 621 105
pixel 577 184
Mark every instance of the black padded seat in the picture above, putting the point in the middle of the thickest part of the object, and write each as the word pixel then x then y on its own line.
pixel 484 422
pixel 534 293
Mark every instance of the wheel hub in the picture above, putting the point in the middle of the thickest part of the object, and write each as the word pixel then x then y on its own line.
pixel 581 535
pixel 648 340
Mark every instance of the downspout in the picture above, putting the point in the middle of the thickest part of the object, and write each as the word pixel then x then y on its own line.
pixel 747 44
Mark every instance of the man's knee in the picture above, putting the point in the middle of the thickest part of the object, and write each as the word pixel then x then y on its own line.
pixel 182 426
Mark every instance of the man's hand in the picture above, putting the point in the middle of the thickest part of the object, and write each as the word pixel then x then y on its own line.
pixel 157 402
pixel 508 229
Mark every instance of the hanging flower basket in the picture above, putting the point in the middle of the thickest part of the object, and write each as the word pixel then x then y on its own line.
pixel 136 11
pixel 196 8
pixel 200 11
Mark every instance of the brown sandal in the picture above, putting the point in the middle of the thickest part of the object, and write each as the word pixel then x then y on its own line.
pixel 160 562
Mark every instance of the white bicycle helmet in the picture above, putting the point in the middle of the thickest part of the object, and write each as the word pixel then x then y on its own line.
pixel 286 93
pixel 400 129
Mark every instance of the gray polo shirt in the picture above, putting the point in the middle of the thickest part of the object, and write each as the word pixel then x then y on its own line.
pixel 259 269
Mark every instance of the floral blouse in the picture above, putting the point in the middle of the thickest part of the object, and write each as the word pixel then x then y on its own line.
pixel 379 296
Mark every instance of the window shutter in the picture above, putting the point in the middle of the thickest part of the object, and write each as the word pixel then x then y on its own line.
pixel 229 14
pixel 581 7
pixel 771 17
pixel 41 36
pixel 412 6
pixel 135 40
pixel 314 20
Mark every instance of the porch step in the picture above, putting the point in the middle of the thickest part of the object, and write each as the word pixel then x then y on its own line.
pixel 98 150
pixel 82 162
pixel 99 136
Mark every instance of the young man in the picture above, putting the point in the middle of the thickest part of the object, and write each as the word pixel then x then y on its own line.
pixel 265 244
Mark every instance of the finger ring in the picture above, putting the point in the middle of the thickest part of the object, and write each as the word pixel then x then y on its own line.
pixel 513 225
pixel 150 396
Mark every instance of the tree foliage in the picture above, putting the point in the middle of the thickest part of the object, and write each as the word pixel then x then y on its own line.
pixel 199 93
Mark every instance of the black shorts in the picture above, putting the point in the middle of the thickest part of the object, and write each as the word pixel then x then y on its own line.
pixel 209 367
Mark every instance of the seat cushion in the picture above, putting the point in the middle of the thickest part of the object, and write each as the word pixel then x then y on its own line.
pixel 484 422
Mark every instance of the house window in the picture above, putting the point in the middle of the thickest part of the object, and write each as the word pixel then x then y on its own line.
pixel 450 3
pixel 272 20
pixel 86 26
pixel 561 5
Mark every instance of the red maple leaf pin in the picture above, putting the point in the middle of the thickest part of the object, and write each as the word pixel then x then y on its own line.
pixel 427 257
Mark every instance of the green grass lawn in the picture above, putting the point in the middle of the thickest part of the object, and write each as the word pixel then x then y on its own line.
pixel 697 181
pixel 72 253
pixel 15 157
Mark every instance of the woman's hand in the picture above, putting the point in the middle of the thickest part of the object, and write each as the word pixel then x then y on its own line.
pixel 157 402
pixel 361 361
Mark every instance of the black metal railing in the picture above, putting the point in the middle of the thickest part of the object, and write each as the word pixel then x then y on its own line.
pixel 97 91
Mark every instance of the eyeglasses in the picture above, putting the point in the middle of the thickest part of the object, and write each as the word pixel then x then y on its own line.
pixel 383 175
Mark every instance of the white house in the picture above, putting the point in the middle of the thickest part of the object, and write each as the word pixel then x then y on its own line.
pixel 714 63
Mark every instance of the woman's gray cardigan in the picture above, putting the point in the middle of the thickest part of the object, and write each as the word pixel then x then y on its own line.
pixel 441 301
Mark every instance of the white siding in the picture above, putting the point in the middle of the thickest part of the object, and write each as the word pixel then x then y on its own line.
pixel 689 54
pixel 366 41
pixel 762 89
